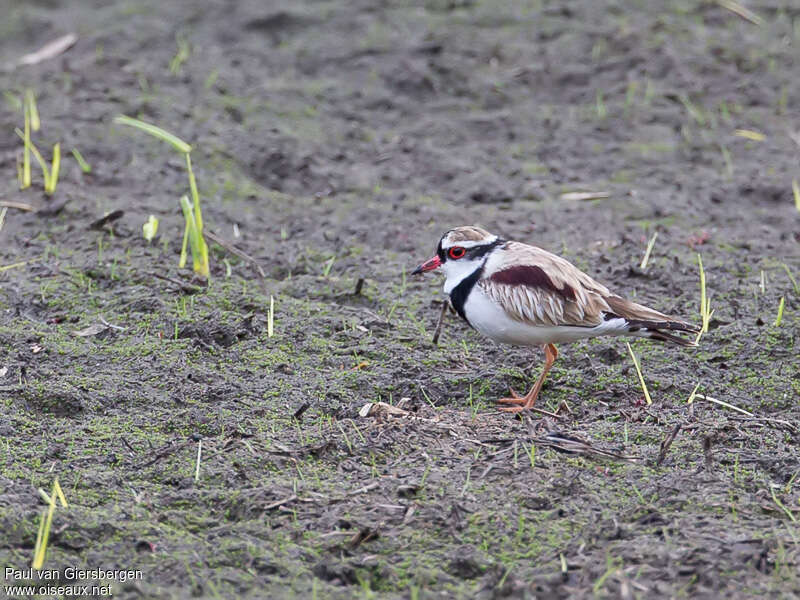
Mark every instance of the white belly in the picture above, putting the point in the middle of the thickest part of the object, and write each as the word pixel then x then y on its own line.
pixel 489 319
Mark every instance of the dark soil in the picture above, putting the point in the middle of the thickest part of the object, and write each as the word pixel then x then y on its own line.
pixel 358 132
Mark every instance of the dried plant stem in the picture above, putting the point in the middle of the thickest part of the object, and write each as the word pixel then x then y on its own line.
pixel 639 373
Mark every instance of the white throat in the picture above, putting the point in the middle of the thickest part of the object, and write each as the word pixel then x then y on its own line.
pixel 455 271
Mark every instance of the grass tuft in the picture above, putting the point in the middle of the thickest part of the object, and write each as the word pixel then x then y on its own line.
pixel 193 233
pixel 45 522
pixel 49 173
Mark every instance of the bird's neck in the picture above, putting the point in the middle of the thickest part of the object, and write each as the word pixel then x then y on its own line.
pixel 461 289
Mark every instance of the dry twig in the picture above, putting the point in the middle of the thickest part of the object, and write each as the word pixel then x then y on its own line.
pixel 189 288
pixel 235 251
pixel 50 50
pixel 666 444
pixel 438 331
pixel 17 205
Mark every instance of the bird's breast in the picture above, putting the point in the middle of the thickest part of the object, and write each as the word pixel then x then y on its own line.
pixel 490 319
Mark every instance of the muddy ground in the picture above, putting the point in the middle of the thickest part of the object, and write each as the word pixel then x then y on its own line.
pixel 340 139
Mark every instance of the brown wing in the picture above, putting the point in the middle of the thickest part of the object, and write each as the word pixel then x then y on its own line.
pixel 540 288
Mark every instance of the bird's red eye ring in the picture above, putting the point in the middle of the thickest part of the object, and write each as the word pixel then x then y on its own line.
pixel 456 252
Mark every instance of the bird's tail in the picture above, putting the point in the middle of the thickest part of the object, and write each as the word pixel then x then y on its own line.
pixel 663 336
pixel 641 321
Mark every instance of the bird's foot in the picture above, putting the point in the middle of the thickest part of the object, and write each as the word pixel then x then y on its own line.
pixel 512 409
pixel 515 399
pixel 523 402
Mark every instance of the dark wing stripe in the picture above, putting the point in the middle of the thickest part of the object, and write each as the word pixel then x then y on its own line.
pixel 532 276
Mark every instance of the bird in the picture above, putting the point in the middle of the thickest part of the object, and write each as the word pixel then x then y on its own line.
pixel 519 294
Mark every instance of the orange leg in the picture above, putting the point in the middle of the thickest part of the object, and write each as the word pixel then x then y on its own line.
pixel 528 400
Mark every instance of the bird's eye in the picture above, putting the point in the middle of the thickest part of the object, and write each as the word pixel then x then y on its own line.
pixel 456 252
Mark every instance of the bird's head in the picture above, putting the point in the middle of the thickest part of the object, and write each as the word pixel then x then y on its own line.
pixel 460 252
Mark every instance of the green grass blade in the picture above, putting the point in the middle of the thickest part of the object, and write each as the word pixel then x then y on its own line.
pixel 30 101
pixel 647 252
pixel 796 193
pixel 198 216
pixel 780 312
pixel 44 530
pixel 781 505
pixel 39 537
pixel 14 265
pixel 13 101
pixel 198 219
pixel 50 184
pixel 26 156
pixel 205 271
pixel 191 228
pixel 184 51
pixel 196 242
pixel 792 279
pixel 184 247
pixel 693 394
pixel 150 228
pixel 639 373
pixel 85 166
pixel 39 158
pixel 705 301
pixel 59 493
pixel 155 131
